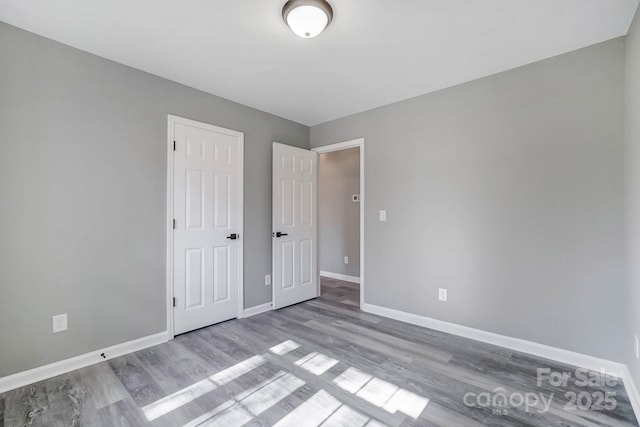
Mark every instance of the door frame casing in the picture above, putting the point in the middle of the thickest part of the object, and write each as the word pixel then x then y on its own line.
pixel 171 121
pixel 359 142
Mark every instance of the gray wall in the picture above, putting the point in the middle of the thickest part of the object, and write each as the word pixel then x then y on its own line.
pixel 508 191
pixel 632 137
pixel 83 196
pixel 338 215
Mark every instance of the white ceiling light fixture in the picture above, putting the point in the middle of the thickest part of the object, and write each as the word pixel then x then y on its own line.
pixel 307 18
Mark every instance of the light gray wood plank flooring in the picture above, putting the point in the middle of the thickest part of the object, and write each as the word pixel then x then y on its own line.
pixel 319 363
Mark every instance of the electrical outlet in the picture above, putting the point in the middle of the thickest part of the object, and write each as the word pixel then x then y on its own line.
pixel 346 260
pixel 442 294
pixel 60 323
pixel 383 216
pixel 267 280
pixel 637 347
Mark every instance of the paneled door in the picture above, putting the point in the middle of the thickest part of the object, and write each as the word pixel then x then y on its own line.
pixel 207 225
pixel 295 230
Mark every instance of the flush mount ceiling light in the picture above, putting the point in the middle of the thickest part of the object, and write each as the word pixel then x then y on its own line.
pixel 307 18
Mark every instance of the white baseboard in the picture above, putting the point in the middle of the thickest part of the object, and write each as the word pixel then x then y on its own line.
pixel 517 344
pixel 541 350
pixel 337 276
pixel 67 365
pixel 262 308
pixel 632 391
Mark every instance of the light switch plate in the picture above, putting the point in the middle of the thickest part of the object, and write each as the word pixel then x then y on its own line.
pixel 267 280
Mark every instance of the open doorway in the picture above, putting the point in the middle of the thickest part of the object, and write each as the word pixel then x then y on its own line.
pixel 340 227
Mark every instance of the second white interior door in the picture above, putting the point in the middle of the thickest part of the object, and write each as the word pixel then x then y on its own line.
pixel 295 259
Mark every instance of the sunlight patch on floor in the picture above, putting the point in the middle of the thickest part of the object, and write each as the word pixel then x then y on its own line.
pixel 250 403
pixel 316 363
pixel 381 393
pixel 230 414
pixel 345 416
pixel 284 347
pixel 352 380
pixel 406 402
pixel 238 370
pixel 377 391
pixel 321 409
pixel 194 391
pixel 375 423
pixel 312 412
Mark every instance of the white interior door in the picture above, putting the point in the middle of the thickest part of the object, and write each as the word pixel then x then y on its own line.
pixel 295 230
pixel 207 207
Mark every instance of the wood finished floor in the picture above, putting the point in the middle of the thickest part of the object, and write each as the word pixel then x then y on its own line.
pixel 322 362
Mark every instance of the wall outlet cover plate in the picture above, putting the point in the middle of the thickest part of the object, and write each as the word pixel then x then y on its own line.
pixel 59 323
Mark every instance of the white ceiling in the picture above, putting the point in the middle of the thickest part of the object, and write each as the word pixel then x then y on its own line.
pixel 375 52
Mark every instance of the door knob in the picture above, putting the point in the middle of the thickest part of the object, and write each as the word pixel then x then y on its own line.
pixel 279 234
pixel 233 236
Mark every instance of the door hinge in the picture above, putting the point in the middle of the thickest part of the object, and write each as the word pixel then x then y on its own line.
pixel 174 301
pixel 174 224
pixel 174 146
